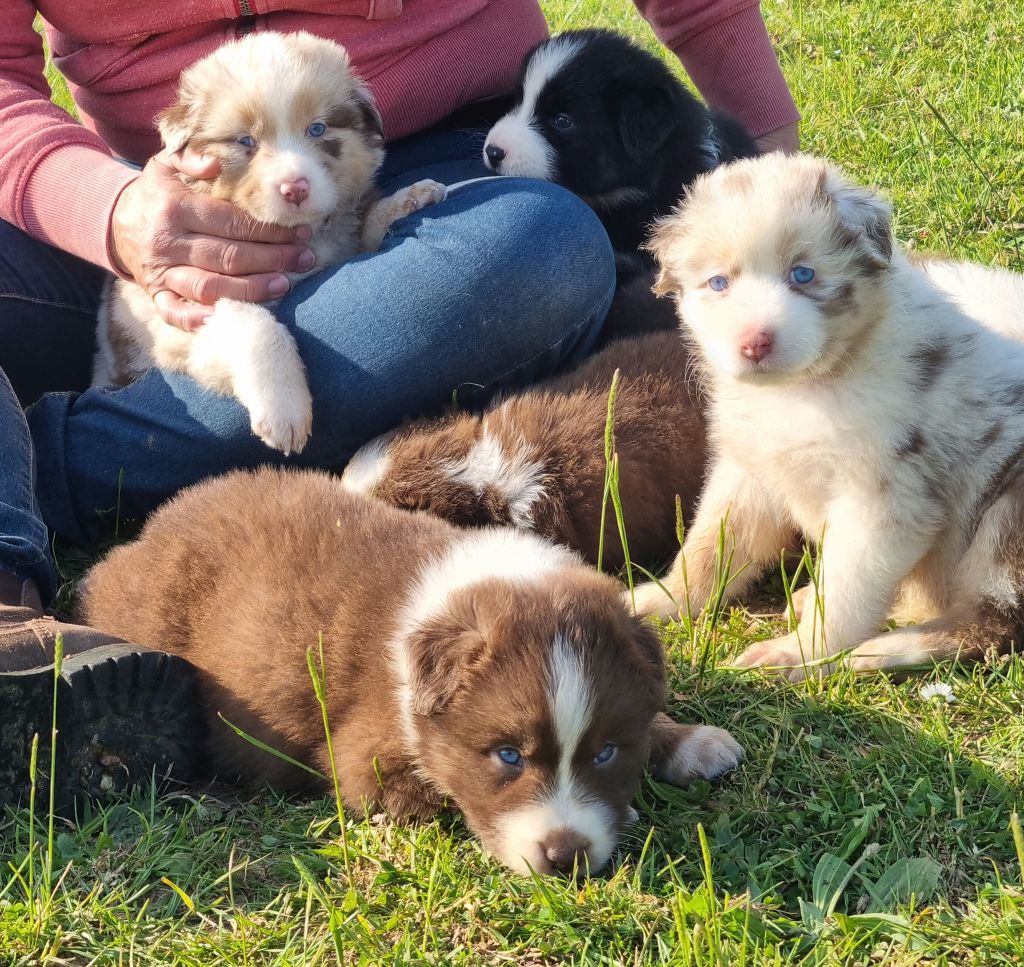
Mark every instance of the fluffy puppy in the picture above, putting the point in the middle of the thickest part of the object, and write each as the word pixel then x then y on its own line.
pixel 536 459
pixel 609 121
pixel 489 668
pixel 853 400
pixel 299 141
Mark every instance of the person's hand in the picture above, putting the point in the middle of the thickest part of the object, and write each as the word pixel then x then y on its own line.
pixel 187 249
pixel 785 139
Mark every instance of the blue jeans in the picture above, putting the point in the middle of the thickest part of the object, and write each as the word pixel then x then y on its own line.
pixel 504 282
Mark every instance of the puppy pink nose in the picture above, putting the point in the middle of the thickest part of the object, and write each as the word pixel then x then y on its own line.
pixel 296 191
pixel 756 344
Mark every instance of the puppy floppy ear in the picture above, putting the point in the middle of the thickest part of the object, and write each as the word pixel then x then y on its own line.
pixel 645 120
pixel 176 126
pixel 863 212
pixel 650 655
pixel 369 117
pixel 440 657
pixel 659 243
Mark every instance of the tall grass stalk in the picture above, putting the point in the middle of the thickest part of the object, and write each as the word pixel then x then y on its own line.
pixel 318 676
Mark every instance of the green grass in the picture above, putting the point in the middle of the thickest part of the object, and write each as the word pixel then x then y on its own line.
pixel 854 793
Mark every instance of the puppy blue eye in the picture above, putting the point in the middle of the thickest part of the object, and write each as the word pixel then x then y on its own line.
pixel 510 756
pixel 801 274
pixel 248 140
pixel 562 121
pixel 718 282
pixel 316 129
pixel 606 754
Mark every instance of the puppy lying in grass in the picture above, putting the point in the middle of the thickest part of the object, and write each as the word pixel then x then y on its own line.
pixel 299 141
pixel 855 401
pixel 535 459
pixel 489 668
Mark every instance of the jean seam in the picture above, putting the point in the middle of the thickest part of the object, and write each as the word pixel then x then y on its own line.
pixel 49 303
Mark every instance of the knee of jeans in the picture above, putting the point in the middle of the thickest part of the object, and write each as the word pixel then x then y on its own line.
pixel 550 246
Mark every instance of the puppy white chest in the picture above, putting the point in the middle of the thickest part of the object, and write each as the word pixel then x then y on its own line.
pixel 805 445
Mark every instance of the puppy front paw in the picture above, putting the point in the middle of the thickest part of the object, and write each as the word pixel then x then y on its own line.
pixel 420 194
pixel 701 752
pixel 384 213
pixel 784 657
pixel 652 601
pixel 282 417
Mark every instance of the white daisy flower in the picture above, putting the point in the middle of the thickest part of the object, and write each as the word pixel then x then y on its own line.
pixel 938 690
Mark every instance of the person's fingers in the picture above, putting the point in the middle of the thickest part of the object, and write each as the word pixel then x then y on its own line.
pixel 206 288
pixel 242 258
pixel 177 312
pixel 203 167
pixel 204 215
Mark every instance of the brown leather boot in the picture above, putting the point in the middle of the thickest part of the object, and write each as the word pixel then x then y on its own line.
pixel 124 713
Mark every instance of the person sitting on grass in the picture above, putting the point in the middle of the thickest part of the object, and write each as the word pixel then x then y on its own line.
pixel 475 294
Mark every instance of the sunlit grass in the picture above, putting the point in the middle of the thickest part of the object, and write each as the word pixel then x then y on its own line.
pixel 854 793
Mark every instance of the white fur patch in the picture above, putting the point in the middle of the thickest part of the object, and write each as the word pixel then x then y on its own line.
pixel 521 832
pixel 503 553
pixel 242 350
pixel 706 753
pixel 517 479
pixel 546 62
pixel 368 466
pixel 992 296
pixel 527 153
pixel 565 806
pixel 571 702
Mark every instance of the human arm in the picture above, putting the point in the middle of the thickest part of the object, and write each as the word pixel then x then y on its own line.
pixel 725 48
pixel 60 184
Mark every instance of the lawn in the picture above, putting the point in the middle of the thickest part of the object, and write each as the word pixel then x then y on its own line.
pixel 868 825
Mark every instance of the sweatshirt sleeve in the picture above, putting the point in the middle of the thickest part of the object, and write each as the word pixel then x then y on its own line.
pixel 58 181
pixel 725 48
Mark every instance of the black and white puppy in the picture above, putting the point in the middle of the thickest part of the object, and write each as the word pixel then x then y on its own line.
pixel 609 121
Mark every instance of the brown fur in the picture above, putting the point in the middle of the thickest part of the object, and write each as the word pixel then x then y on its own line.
pixel 244 574
pixel 560 425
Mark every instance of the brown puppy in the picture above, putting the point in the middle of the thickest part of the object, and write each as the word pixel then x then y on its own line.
pixel 489 668
pixel 536 459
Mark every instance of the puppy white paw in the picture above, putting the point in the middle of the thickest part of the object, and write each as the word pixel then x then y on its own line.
pixel 421 194
pixel 651 601
pixel 783 657
pixel 703 752
pixel 282 417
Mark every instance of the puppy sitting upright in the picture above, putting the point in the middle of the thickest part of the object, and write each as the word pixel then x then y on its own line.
pixel 536 459
pixel 486 667
pixel 609 121
pixel 299 141
pixel 851 399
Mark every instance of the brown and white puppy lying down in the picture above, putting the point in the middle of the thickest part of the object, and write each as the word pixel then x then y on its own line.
pixel 535 459
pixel 300 141
pixel 488 668
pixel 857 398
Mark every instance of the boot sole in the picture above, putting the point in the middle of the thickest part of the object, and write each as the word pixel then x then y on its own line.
pixel 124 715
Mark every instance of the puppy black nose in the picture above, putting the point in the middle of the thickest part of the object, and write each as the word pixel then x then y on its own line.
pixel 566 849
pixel 495 155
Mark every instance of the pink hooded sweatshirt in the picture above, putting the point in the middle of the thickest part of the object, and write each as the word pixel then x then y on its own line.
pixel 422 59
